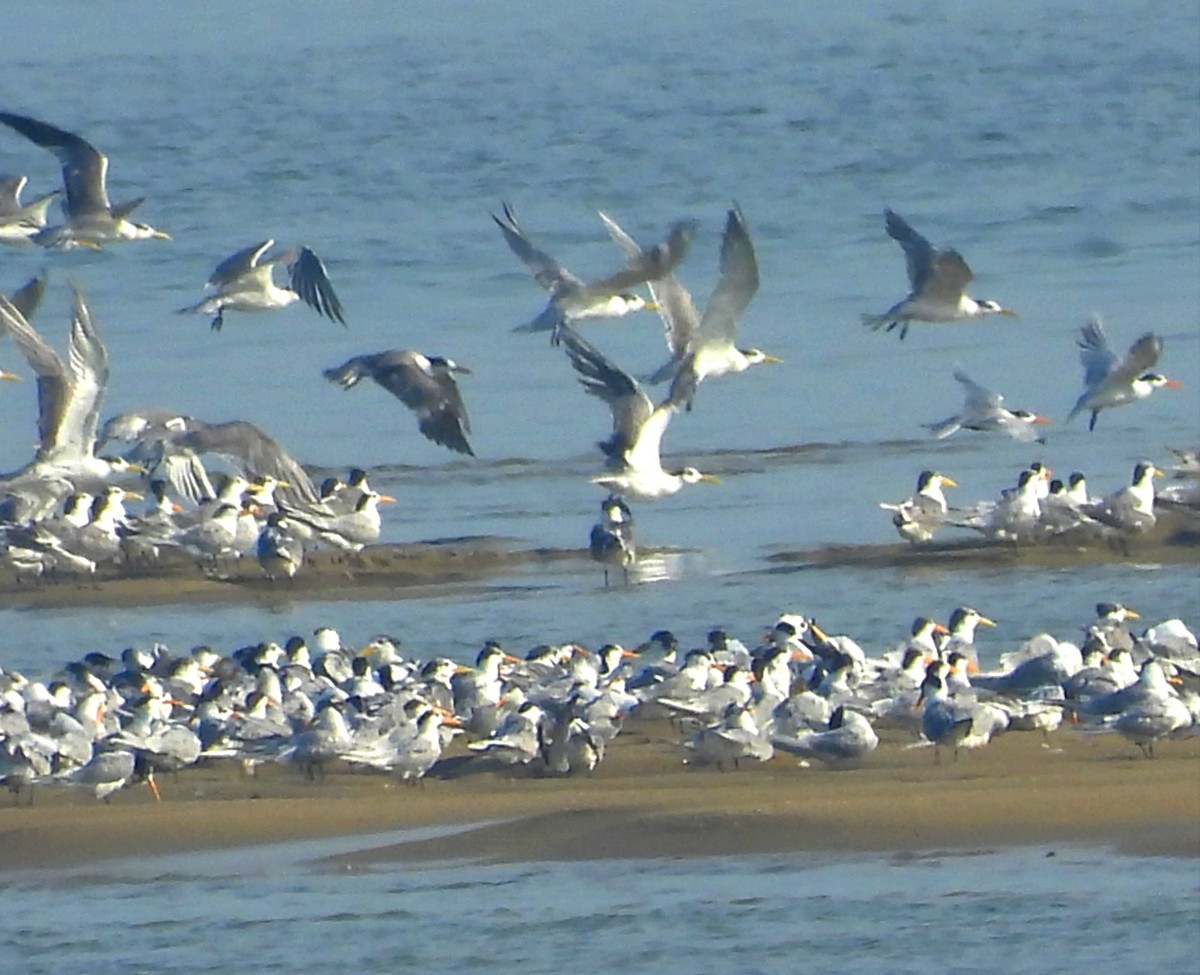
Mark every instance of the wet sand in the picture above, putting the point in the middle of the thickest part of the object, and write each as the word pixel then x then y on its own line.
pixel 1072 789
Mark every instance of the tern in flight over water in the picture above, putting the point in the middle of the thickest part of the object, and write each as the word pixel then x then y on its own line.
pixel 638 426
pixel 245 282
pixel 703 346
pixel 938 278
pixel 425 384
pixel 90 219
pixel 571 298
pixel 1109 381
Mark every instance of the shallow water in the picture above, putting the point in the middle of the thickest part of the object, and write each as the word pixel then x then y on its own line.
pixel 1057 145
pixel 278 909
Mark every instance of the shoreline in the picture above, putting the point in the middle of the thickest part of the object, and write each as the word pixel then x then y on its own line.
pixel 1073 789
pixel 389 571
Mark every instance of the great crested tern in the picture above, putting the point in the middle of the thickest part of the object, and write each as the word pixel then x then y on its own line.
pixel 638 427
pixel 984 410
pixel 938 278
pixel 90 219
pixel 571 298
pixel 917 518
pixel 703 346
pixel 69 396
pixel 245 282
pixel 1130 510
pixel 350 531
pixel 19 222
pixel 425 384
pixel 611 539
pixel 1109 381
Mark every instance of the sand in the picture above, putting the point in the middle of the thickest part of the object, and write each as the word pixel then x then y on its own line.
pixel 1069 789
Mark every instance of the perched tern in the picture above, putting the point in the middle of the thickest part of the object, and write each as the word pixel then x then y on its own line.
pixel 638 426
pixel 1131 509
pixel 985 411
pixel 938 279
pixel 611 540
pixel 571 298
pixel 245 282
pixel 1109 381
pixel 704 346
pixel 20 223
pixel 90 219
pixel 425 384
pixel 920 516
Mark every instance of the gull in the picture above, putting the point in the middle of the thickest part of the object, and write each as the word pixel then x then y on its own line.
pixel 984 410
pixel 638 426
pixel 90 219
pixel 571 298
pixel 245 282
pixel 918 517
pixel 703 346
pixel 425 384
pixel 19 223
pixel 1109 381
pixel 611 540
pixel 938 279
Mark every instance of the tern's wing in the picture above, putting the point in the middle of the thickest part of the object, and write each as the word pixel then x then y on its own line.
pixel 434 398
pixel 546 270
pixel 1143 355
pixel 87 366
pixel 83 168
pixel 53 378
pixel 979 399
pixel 253 452
pixel 631 407
pixel 239 264
pixel 310 281
pixel 738 283
pixel 649 265
pixel 28 297
pixel 675 305
pixel 1095 353
pixel 918 252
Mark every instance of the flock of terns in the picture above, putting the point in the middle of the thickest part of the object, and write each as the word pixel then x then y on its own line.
pixel 103 722
pixel 292 512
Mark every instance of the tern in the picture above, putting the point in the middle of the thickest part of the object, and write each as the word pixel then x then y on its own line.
pixel 703 346
pixel 611 540
pixel 425 384
pixel 90 219
pixel 245 282
pixel 918 517
pixel 1131 509
pixel 69 396
pixel 571 298
pixel 938 279
pixel 20 223
pixel 1109 381
pixel 985 411
pixel 638 426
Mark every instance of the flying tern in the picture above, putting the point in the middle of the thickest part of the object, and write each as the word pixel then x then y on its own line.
pixel 1109 381
pixel 938 279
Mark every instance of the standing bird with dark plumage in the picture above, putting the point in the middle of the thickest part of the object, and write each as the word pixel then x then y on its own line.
pixel 938 278
pixel 90 219
pixel 425 384
pixel 611 540
pixel 245 282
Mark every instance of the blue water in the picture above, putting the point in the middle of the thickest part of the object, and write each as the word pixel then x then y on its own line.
pixel 277 909
pixel 1057 145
